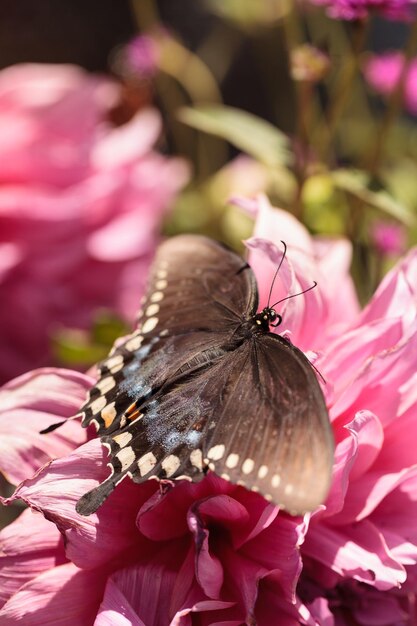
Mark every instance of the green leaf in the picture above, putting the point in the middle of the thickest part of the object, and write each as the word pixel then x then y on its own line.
pixel 73 348
pixel 357 183
pixel 249 133
pixel 107 327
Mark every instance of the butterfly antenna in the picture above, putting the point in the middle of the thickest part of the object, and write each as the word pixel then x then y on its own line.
pixel 295 294
pixel 276 273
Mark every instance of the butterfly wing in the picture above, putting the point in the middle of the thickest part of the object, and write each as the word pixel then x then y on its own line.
pixel 275 427
pixel 256 416
pixel 188 391
pixel 199 293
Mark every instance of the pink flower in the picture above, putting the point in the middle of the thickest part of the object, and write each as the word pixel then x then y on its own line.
pixel 141 56
pixel 214 553
pixel 360 9
pixel 226 554
pixel 389 239
pixel 363 541
pixel 81 204
pixel 384 71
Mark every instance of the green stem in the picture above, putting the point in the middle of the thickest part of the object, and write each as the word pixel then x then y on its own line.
pixel 394 106
pixel 343 90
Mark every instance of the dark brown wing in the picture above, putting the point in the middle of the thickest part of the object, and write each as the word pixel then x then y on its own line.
pixel 199 293
pixel 275 427
pixel 255 415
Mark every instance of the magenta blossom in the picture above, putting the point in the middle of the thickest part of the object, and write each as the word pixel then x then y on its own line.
pixel 383 73
pixel 363 541
pixel 226 554
pixel 360 9
pixel 389 239
pixel 81 204
pixel 141 56
pixel 214 553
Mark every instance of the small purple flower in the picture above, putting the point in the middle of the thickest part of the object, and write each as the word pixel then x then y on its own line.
pixel 360 9
pixel 383 72
pixel 389 239
pixel 140 57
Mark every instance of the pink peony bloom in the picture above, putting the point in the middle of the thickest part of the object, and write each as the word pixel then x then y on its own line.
pixel 214 553
pixel 384 71
pixel 360 9
pixel 81 204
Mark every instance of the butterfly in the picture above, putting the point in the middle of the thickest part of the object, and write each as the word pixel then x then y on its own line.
pixel 203 385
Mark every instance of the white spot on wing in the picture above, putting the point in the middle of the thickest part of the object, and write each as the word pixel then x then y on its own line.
pixel 262 472
pixel 152 310
pixel 248 466
pixel 162 273
pixel 146 463
pixel 115 363
pixel 196 459
pixel 275 481
pixel 289 489
pixel 216 452
pixel 126 457
pixel 105 384
pixel 161 284
pixel 232 461
pixel 134 343
pixel 157 296
pixel 123 439
pixel 149 324
pixel 170 464
pixel 98 404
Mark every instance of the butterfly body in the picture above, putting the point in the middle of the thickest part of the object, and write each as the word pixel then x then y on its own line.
pixel 203 384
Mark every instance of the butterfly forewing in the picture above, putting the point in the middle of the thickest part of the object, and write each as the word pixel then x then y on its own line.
pixel 195 283
pixel 199 387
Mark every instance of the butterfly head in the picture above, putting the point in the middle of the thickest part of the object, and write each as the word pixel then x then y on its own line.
pixel 266 318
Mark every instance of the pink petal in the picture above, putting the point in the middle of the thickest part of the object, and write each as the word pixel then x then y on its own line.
pixel 174 506
pixel 276 224
pixel 128 142
pixel 28 547
pixel 365 495
pixel 344 459
pixel 370 439
pixel 277 548
pixel 209 571
pixel 115 609
pixel 242 576
pixel 395 297
pixel 353 359
pixel 10 256
pixel 31 403
pixel 334 258
pixel 94 540
pixel 396 515
pixel 62 596
pixel 356 550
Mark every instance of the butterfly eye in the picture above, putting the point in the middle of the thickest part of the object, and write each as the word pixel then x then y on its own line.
pixel 272 314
